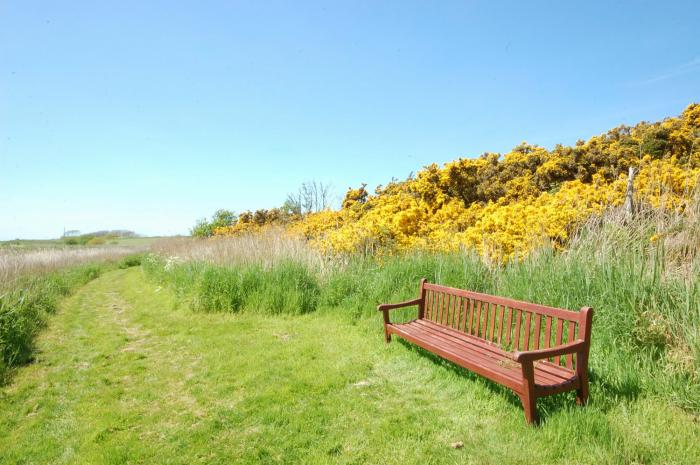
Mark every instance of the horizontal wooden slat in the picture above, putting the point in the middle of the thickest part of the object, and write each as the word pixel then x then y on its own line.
pixel 472 352
pixel 544 375
pixel 453 355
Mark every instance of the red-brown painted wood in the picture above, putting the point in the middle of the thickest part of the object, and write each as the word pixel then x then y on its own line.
pixel 478 331
pixel 538 328
pixel 570 357
pixel 478 318
pixel 509 324
pixel 526 342
pixel 500 324
pixel 492 320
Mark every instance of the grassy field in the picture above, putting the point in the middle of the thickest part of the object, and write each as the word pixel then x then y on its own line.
pixel 127 374
pixel 32 243
pixel 60 243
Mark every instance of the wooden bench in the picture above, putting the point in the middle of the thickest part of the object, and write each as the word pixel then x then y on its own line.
pixel 532 349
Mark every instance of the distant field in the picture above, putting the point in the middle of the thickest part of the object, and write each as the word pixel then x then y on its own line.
pixel 25 257
pixel 32 243
pixel 49 243
pixel 135 241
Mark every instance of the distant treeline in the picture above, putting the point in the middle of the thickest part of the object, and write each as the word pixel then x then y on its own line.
pixel 75 237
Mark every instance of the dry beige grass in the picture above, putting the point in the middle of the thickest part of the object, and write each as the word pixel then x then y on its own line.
pixel 668 238
pixel 15 263
pixel 264 248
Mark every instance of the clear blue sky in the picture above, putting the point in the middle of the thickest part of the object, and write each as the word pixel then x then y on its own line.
pixel 147 115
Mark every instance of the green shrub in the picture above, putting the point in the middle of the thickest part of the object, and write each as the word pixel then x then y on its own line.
pixel 129 261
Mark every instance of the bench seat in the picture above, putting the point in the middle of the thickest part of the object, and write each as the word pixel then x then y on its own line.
pixel 483 357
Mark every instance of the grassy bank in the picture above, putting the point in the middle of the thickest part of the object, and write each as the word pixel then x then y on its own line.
pixel 27 301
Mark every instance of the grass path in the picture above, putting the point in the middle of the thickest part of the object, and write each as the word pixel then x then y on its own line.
pixel 124 376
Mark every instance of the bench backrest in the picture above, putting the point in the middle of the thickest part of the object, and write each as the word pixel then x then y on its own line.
pixel 511 324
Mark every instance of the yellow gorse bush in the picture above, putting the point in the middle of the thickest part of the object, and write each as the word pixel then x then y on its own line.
pixel 503 207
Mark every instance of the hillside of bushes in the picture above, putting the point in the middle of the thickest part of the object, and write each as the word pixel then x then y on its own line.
pixel 501 206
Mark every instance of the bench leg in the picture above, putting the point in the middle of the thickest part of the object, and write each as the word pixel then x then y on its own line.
pixel 387 335
pixel 582 373
pixel 528 396
pixel 582 391
pixel 530 406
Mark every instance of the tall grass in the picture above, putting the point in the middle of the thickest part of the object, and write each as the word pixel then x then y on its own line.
pixel 286 287
pixel 266 248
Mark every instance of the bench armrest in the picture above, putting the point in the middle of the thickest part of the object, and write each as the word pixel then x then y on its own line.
pixel 532 355
pixel 408 303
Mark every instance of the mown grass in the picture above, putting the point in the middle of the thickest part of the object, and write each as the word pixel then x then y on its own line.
pixel 27 302
pixel 126 374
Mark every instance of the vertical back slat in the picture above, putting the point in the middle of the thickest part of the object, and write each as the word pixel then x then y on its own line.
pixel 455 312
pixel 471 316
pixel 478 318
pixel 492 318
pixel 446 315
pixel 438 316
pixel 516 337
pixel 464 303
pixel 570 338
pixel 484 324
pixel 537 333
pixel 429 305
pixel 500 324
pixel 436 307
pixel 509 324
pixel 558 337
pixel 526 342
pixel 445 309
pixel 548 332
